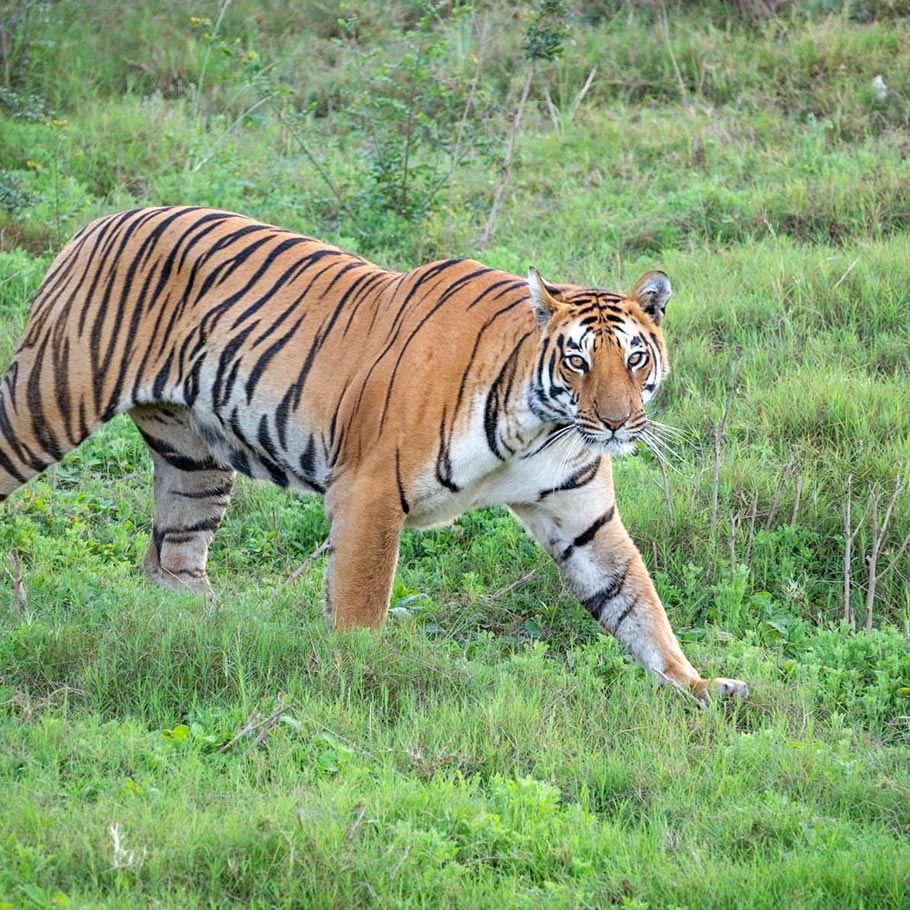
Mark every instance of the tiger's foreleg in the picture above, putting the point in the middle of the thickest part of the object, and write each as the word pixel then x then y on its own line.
pixel 582 531
pixel 191 489
pixel 366 522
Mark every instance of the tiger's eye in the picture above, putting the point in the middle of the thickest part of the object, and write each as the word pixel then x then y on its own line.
pixel 639 358
pixel 577 362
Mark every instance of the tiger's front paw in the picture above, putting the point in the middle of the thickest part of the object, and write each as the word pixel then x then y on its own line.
pixel 728 688
pixel 720 687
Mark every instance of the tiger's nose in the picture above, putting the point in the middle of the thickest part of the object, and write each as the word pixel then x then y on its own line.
pixel 611 423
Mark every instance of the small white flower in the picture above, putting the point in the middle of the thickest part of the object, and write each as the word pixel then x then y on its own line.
pixel 879 87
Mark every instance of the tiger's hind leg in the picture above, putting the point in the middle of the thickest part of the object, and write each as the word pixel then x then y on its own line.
pixel 191 490
pixel 35 431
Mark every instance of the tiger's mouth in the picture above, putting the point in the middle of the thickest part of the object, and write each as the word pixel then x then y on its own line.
pixel 610 442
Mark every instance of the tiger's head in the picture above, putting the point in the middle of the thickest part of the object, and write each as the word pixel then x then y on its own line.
pixel 601 358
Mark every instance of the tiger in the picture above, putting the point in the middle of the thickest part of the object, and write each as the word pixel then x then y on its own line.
pixel 403 398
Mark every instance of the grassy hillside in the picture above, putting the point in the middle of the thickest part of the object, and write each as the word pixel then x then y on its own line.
pixel 490 748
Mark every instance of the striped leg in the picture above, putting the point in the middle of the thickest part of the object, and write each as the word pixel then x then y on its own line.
pixel 582 531
pixel 192 490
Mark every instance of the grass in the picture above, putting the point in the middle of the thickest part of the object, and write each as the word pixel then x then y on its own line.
pixel 490 747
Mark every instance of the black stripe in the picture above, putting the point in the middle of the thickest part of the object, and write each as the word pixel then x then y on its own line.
pixel 100 266
pixel 401 497
pixel 10 468
pixel 422 278
pixel 299 266
pixel 510 284
pixel 206 524
pixel 488 324
pixel 259 367
pixel 588 535
pixel 498 399
pixel 216 276
pixel 443 461
pixel 241 462
pixel 222 387
pixel 118 329
pixel 176 459
pixel 308 458
pixel 34 399
pixel 596 603
pixel 221 492
pixel 623 616
pixel 580 478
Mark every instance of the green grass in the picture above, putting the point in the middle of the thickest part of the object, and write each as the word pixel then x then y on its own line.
pixel 489 748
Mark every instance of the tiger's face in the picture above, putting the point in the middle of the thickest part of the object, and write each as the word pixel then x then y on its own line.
pixel 602 358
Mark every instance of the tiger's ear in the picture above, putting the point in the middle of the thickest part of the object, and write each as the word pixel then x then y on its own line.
pixel 652 293
pixel 545 305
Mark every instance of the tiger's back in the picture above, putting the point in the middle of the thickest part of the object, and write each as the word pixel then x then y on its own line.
pixel 293 355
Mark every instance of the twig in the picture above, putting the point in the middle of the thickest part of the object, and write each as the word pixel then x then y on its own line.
pixel 303 566
pixel 11 34
pixel 849 538
pixel 205 62
pixel 19 596
pixel 715 478
pixel 508 589
pixel 848 553
pixel 353 829
pixel 506 171
pixel 900 552
pixel 252 726
pixel 775 503
pixel 718 440
pixel 879 536
pixel 462 125
pixel 750 536
pixel 796 498
pixel 840 280
pixel 665 486
pixel 202 162
pixel 733 523
pixel 551 108
pixel 684 95
pixel 681 689
pixel 317 165
pixel 573 108
pixel 871 562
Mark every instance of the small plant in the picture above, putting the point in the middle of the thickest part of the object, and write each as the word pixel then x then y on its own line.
pixel 403 109
pixel 13 196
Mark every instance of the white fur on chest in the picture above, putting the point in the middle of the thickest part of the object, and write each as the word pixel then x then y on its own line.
pixel 485 480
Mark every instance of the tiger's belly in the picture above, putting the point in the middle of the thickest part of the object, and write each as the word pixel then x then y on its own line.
pixel 297 463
